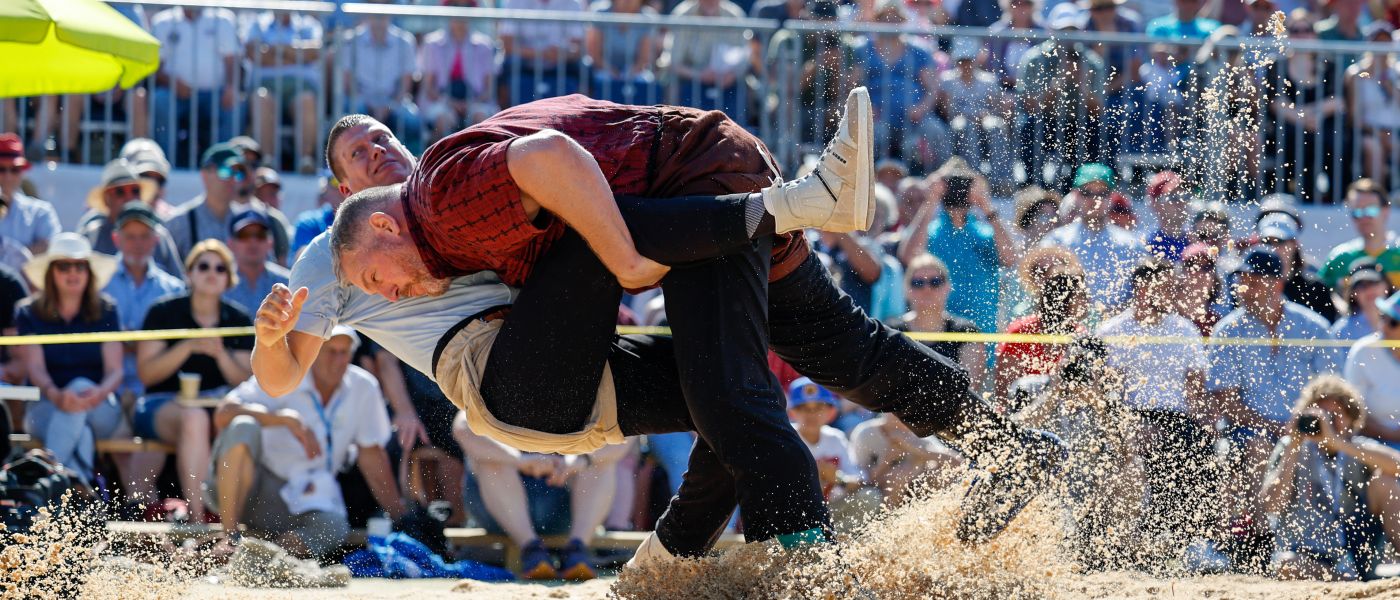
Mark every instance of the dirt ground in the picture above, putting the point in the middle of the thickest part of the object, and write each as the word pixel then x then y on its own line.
pixel 1104 585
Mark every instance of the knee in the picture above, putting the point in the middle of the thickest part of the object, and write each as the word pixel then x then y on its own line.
pixel 243 431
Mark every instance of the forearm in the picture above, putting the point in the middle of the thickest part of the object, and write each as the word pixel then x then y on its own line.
pixel 1384 463
pixel 1006 245
pixel 230 409
pixel 1278 483
pixel 276 367
pixel 374 465
pixel 153 369
pixel 915 240
pixel 392 383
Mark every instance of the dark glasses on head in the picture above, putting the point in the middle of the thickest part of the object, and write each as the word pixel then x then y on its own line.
pixel 66 266
pixel 216 267
pixel 928 282
pixel 1368 212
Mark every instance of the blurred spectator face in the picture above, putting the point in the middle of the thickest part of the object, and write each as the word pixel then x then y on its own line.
pixel 1170 209
pixel 224 183
pixel 927 289
pixel 1120 212
pixel 1156 289
pixel 1021 12
pixel 1347 10
pixel 1093 201
pixel 370 156
pixel 627 6
pixel 1258 292
pixel 1063 300
pixel 210 275
pixel 333 361
pixel 69 277
pixel 1287 250
pixel 1211 230
pixel 251 245
pixel 1367 213
pixel 1334 410
pixel 1300 28
pixel 136 241
pixel 11 175
pixel 812 415
pixel 270 194
pixel 1365 293
pixel 115 197
pixel 1199 285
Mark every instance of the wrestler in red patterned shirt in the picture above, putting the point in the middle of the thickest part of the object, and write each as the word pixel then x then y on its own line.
pixel 464 209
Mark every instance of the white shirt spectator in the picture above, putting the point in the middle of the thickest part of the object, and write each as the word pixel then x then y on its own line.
pixel 1155 374
pixel 193 50
pixel 869 443
pixel 720 49
pixel 14 255
pixel 29 220
pixel 832 448
pixel 539 35
pixel 302 28
pixel 379 68
pixel 354 417
pixel 1375 372
pixel 1108 256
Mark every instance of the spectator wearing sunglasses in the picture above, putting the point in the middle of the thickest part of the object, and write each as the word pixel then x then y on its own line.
pixel 122 184
pixel 76 381
pixel 250 241
pixel 221 363
pixel 1369 207
pixel 1107 251
pixel 926 289
pixel 27 220
pixel 227 192
pixel 1374 369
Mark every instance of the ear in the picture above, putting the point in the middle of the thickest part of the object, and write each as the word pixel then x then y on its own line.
pixel 384 223
pixel 344 191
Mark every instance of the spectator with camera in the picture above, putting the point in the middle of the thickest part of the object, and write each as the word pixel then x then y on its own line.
pixel 1060 306
pixel 959 224
pixel 1334 491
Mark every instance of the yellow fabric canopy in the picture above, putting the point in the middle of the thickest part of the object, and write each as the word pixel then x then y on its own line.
pixel 70 47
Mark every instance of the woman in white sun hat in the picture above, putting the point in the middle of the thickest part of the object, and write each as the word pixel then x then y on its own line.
pixel 77 406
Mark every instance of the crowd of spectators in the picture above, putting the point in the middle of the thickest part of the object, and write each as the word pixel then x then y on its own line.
pixel 1018 109
pixel 961 123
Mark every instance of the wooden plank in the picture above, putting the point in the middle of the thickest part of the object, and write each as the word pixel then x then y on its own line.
pixel 24 440
pixel 127 446
pixel 212 402
pixel 21 393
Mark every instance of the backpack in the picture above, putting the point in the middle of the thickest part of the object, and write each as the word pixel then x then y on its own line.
pixel 29 482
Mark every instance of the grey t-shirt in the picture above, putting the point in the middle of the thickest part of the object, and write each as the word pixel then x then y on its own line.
pixel 409 328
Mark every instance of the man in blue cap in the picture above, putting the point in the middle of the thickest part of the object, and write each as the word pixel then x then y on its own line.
pixel 250 239
pixel 1254 386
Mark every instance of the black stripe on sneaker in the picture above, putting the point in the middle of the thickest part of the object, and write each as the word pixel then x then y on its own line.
pixel 828 188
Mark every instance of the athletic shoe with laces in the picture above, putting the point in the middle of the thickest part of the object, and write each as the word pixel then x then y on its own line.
pixel 576 562
pixel 536 562
pixel 997 496
pixel 839 194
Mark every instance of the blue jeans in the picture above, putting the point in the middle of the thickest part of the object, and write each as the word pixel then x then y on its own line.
pixel 672 452
pixel 548 505
pixel 72 436
pixel 171 126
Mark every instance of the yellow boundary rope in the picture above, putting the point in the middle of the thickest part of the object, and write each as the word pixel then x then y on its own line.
pixel 976 338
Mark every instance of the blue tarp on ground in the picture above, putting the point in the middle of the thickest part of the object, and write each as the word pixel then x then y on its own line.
pixel 402 557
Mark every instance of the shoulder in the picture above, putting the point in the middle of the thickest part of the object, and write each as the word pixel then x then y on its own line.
pixel 363 383
pixel 25 308
pixel 177 302
pixel 1231 322
pixel 732 9
pixel 1117 324
pixel 1344 250
pixel 1309 318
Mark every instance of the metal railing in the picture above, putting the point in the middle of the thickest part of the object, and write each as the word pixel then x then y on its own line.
pixel 1244 116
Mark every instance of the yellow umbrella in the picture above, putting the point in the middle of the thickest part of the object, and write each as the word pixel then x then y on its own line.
pixel 70 47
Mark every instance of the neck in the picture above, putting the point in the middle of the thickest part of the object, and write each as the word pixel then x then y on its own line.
pixel 811 434
pixel 217 205
pixel 69 305
pixel 929 319
pixel 251 271
pixel 1147 312
pixel 958 216
pixel 1373 317
pixel 136 269
pixel 326 389
pixel 204 305
pixel 1269 314
pixel 1373 243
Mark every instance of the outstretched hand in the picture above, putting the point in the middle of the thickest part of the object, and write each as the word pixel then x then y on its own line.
pixel 278 314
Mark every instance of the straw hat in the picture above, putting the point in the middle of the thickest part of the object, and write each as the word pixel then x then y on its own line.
pixel 119 172
pixel 71 246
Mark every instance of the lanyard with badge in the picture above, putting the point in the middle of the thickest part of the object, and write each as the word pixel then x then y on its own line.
pixel 326 422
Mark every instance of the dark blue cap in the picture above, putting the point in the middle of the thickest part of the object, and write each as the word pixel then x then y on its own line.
pixel 1261 261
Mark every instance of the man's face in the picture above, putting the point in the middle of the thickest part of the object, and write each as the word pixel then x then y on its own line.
pixel 1170 209
pixel 1286 250
pixel 270 194
pixel 1093 200
pixel 224 183
pixel 115 197
pixel 333 360
pixel 390 266
pixel 1258 291
pixel 1187 8
pixel 370 156
pixel 250 245
pixel 136 241
pixel 11 175
pixel 1157 290
pixel 1368 214
pixel 1347 10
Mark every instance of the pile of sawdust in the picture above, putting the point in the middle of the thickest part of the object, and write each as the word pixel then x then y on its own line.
pixel 910 553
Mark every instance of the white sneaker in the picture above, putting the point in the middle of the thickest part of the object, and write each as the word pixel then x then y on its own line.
pixel 839 194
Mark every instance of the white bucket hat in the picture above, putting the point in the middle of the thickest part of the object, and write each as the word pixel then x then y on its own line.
pixel 71 246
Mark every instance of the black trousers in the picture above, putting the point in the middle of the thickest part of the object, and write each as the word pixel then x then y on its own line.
pixel 546 362
pixel 716 381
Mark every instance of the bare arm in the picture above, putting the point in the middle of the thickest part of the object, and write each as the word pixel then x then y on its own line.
pixel 111 368
pixel 395 388
pixel 282 356
pixel 157 360
pixel 374 465
pixel 580 197
pixel 861 259
pixel 915 240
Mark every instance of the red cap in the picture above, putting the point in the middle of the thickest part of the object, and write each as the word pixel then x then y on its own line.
pixel 12 147
pixel 1199 254
pixel 1162 184
pixel 1120 204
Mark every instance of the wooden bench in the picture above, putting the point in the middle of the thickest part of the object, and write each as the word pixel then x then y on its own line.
pixel 608 540
pixel 141 530
pixel 112 446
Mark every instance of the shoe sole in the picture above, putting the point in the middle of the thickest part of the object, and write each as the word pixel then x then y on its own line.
pixel 541 571
pixel 863 209
pixel 579 572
